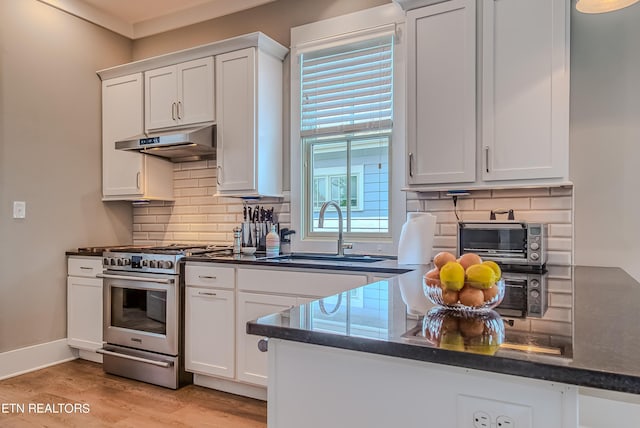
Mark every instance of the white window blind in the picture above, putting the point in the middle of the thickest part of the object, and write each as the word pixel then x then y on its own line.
pixel 348 88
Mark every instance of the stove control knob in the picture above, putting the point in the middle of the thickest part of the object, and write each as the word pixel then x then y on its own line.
pixel 112 261
pixel 535 246
pixel 105 261
pixel 167 264
pixel 153 264
pixel 535 256
pixel 119 262
pixel 126 262
pixel 145 263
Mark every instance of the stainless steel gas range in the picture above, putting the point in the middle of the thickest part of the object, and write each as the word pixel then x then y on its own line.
pixel 144 313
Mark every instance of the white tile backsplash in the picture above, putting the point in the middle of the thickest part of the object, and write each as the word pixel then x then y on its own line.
pixel 196 216
pixel 552 206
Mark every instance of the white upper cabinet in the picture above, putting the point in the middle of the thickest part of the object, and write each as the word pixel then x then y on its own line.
pixel 180 95
pixel 129 175
pixel 525 89
pixel 522 92
pixel 442 93
pixel 249 125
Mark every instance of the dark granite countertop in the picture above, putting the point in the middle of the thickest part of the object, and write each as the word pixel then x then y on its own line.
pixel 588 336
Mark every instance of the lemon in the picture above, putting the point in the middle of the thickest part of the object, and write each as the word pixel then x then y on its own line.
pixel 452 340
pixel 493 265
pixel 452 276
pixel 481 276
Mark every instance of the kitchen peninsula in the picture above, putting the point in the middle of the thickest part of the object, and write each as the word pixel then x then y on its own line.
pixel 395 369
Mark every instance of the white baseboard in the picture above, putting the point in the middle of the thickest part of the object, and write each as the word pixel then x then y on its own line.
pixel 24 360
pixel 257 392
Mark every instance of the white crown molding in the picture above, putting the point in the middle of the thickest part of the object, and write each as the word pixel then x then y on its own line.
pixel 193 15
pixel 89 13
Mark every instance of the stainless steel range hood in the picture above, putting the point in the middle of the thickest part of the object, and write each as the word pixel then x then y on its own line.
pixel 181 145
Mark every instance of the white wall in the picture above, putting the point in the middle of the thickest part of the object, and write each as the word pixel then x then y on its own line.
pixel 605 137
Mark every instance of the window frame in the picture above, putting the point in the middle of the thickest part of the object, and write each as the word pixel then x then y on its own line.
pixel 354 27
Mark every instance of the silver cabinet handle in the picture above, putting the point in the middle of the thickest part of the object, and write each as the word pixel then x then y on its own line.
pixel 173 111
pixel 204 293
pixel 164 364
pixel 178 109
pixel 207 277
pixel 136 278
pixel 410 164
pixel 219 168
pixel 486 157
pixel 263 345
pixel 138 180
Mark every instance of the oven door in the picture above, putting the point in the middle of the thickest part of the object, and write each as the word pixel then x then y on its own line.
pixel 501 242
pixel 141 311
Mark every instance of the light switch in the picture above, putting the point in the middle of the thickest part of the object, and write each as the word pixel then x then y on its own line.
pixel 19 209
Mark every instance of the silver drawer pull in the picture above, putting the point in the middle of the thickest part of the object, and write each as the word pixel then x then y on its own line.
pixel 86 268
pixel 164 364
pixel 207 277
pixel 203 293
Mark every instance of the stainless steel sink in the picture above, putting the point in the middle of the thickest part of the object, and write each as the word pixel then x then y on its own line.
pixel 355 258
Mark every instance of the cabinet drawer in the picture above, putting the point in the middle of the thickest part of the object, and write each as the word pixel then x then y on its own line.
pixel 297 283
pixel 203 275
pixel 84 266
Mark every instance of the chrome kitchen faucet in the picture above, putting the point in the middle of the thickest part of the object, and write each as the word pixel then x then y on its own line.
pixel 341 244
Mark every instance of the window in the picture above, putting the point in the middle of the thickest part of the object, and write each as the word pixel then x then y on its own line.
pixel 346 110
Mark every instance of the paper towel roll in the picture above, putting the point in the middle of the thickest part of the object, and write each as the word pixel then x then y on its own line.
pixel 416 239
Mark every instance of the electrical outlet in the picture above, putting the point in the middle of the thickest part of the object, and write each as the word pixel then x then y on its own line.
pixel 505 422
pixel 481 412
pixel 481 420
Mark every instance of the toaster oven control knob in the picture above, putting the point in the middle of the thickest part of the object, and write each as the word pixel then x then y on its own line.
pixel 534 246
pixel 535 256
pixel 535 283
pixel 535 294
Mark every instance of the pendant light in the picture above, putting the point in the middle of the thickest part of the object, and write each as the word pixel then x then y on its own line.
pixel 601 6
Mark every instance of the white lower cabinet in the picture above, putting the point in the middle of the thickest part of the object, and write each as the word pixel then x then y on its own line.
pixel 252 363
pixel 210 319
pixel 84 306
pixel 220 300
pixel 209 332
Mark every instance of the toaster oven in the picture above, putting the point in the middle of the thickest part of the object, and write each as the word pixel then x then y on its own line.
pixel 505 242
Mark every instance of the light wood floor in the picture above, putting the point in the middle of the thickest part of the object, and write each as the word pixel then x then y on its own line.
pixel 117 402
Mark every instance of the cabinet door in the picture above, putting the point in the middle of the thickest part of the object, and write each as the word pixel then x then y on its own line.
pixel 251 362
pixel 209 331
pixel 235 107
pixel 525 89
pixel 122 172
pixel 442 93
pixel 195 91
pixel 84 313
pixel 160 98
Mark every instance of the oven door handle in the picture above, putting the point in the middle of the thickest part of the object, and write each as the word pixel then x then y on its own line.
pixel 136 278
pixel 164 364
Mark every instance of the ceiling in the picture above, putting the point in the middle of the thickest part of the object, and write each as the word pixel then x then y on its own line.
pixel 140 18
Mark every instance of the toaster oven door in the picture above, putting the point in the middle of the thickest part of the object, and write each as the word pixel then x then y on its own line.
pixel 501 242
